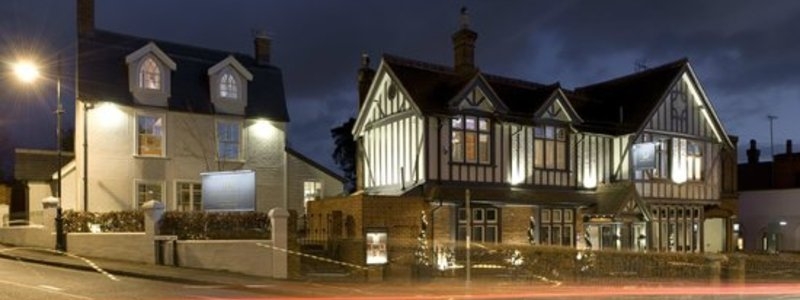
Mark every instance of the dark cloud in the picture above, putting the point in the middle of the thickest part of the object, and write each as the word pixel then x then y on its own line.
pixel 744 52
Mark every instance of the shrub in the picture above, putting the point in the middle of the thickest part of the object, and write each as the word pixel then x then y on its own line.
pixel 216 226
pixel 115 221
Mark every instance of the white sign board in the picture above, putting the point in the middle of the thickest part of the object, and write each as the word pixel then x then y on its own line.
pixel 644 156
pixel 376 248
pixel 229 191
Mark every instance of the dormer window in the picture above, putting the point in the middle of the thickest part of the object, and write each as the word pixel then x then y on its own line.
pixel 227 83
pixel 228 88
pixel 149 75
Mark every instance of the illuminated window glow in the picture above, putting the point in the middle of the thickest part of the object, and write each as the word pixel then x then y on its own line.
pixel 227 87
pixel 470 140
pixel 550 148
pixel 312 190
pixel 149 75
pixel 150 135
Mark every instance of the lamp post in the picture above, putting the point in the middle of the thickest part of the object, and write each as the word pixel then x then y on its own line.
pixel 28 72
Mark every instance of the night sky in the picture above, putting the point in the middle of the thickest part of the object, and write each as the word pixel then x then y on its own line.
pixel 745 53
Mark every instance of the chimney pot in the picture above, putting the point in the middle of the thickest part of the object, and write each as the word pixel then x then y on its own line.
pixel 263 47
pixel 464 46
pixel 753 153
pixel 365 77
pixel 85 11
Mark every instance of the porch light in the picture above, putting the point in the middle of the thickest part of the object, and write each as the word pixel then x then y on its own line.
pixel 263 129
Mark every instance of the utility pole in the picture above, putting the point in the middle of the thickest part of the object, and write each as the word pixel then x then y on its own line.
pixel 771 142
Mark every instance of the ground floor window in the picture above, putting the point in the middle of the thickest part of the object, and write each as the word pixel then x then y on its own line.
pixel 189 196
pixel 557 227
pixel 148 190
pixel 485 224
pixel 676 228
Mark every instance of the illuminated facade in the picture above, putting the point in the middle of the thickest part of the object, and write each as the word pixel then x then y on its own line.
pixel 152 116
pixel 634 162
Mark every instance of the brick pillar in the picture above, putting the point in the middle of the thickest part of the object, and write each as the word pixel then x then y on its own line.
pixel 279 226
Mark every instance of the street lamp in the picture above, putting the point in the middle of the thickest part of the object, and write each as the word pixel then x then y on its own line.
pixel 28 72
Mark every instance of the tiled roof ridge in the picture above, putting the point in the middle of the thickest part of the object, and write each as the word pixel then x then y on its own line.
pixel 676 63
pixel 408 62
pixel 519 82
pixel 170 43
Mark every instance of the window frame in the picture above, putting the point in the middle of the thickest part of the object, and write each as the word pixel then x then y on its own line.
pixel 551 147
pixel 478 151
pixel 138 136
pixel 483 224
pixel 139 182
pixel 144 70
pixel 557 226
pixel 219 142
pixel 193 184
pixel 318 188
pixel 228 83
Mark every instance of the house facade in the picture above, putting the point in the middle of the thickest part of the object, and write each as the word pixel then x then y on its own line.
pixel 188 126
pixel 769 213
pixel 638 162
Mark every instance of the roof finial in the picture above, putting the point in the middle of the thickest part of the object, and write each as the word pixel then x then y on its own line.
pixel 464 20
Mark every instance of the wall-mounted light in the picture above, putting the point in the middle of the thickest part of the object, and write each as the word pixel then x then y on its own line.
pixel 589 181
pixel 782 223
pixel 108 115
pixel 262 129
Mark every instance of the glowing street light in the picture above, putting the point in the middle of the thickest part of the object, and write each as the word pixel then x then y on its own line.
pixel 27 72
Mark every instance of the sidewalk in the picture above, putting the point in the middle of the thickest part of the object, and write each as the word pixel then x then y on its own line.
pixel 131 269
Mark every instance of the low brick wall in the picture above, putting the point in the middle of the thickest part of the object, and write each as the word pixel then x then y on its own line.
pixel 133 246
pixel 240 256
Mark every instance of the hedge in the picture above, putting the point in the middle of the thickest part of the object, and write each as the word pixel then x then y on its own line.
pixel 216 226
pixel 116 221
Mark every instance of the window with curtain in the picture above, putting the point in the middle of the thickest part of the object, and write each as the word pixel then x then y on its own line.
pixel 550 147
pixel 227 87
pixel 149 75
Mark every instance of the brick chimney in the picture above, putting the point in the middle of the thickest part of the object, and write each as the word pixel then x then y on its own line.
pixel 753 153
pixel 789 148
pixel 263 47
pixel 365 76
pixel 464 46
pixel 85 12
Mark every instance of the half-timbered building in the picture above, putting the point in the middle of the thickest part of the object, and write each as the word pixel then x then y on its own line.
pixel 634 162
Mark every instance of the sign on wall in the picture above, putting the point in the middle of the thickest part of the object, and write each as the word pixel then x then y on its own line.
pixel 229 191
pixel 644 156
pixel 376 246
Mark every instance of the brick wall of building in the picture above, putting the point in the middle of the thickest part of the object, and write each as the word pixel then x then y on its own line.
pixel 515 223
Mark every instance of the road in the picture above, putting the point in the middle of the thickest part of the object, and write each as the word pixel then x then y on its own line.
pixel 28 281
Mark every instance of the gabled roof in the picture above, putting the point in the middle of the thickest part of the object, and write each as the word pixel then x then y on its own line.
pixel 622 105
pixel 314 164
pixel 432 86
pixel 231 61
pixel 151 48
pixel 103 75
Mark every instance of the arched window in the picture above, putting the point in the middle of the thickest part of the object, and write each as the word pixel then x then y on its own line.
pixel 149 75
pixel 227 87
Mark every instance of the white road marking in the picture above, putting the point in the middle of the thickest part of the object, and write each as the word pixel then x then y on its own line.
pixel 259 286
pixel 203 287
pixel 49 287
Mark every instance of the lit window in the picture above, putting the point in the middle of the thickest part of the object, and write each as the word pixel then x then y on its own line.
pixel 146 191
pixel 149 75
pixel 470 140
pixel 150 134
pixel 556 227
pixel 485 224
pixel 694 161
pixel 229 140
pixel 189 196
pixel 550 148
pixel 312 190
pixel 227 87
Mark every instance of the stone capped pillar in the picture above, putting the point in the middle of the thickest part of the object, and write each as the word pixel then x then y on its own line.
pixel 279 226
pixel 153 211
